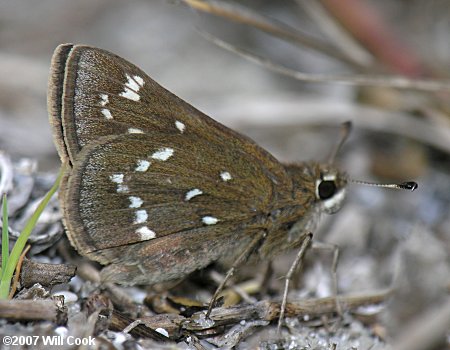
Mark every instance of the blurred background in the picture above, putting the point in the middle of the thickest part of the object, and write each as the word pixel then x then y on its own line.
pixel 387 238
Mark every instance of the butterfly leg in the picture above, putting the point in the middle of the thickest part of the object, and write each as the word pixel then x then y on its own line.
pixel 292 269
pixel 242 257
pixel 335 249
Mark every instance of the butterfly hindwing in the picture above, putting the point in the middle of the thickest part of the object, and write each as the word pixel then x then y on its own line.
pixel 173 257
pixel 129 189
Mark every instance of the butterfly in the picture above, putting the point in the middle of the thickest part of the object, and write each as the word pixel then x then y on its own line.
pixel 156 189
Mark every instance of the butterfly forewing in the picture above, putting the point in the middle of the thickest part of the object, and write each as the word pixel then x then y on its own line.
pixel 103 95
pixel 91 84
pixel 149 170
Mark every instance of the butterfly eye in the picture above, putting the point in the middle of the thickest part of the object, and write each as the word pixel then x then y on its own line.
pixel 326 189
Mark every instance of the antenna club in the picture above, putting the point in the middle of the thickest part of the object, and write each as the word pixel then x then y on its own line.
pixel 410 185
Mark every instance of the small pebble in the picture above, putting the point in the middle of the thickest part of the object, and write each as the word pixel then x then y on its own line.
pixel 69 297
pixel 162 331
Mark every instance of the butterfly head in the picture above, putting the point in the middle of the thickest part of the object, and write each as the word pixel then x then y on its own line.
pixel 329 187
pixel 324 182
pixel 322 185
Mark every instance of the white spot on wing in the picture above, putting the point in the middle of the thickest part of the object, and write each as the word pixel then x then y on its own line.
pixel 132 87
pixel 141 216
pixel 117 178
pixel 163 154
pixel 145 233
pixel 139 80
pixel 135 131
pixel 226 176
pixel 192 194
pixel 107 113
pixel 136 202
pixel 209 220
pixel 180 126
pixel 122 188
pixel 130 94
pixel 142 165
pixel 105 99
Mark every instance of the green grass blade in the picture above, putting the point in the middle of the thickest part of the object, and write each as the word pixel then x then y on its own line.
pixel 8 271
pixel 5 235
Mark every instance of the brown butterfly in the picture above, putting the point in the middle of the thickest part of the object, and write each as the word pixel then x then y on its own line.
pixel 156 189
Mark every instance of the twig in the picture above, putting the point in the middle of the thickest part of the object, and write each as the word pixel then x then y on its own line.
pixel 32 310
pixel 241 14
pixel 177 325
pixel 378 35
pixel 47 275
pixel 397 82
pixel 336 33
pixel 269 310
pixel 146 326
pixel 235 292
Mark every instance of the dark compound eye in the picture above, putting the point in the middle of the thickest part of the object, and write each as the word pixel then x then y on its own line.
pixel 326 189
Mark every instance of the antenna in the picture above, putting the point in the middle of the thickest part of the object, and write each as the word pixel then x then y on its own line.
pixel 346 128
pixel 410 185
